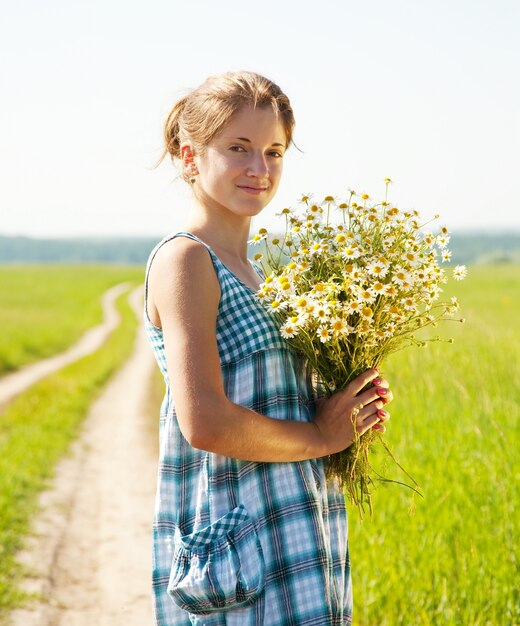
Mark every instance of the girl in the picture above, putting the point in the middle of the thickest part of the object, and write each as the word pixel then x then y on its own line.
pixel 247 531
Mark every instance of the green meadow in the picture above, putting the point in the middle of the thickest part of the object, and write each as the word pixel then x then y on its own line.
pixel 451 557
pixel 448 558
pixel 45 308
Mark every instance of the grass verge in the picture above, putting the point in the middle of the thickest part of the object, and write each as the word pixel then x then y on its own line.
pixel 46 308
pixel 35 431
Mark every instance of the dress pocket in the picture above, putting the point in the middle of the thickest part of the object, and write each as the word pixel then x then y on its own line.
pixel 220 567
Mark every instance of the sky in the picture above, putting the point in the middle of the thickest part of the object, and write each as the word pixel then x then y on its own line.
pixel 424 92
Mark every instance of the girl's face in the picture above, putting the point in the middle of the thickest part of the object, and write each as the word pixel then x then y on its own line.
pixel 241 167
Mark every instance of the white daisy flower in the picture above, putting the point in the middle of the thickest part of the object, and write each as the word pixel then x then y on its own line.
pixel 353 306
pixel 459 272
pixel 409 304
pixel 352 252
pixel 321 311
pixel 340 327
pixel 367 312
pixel 256 239
pixel 301 302
pixel 411 258
pixel 365 295
pixel 378 289
pixel 288 330
pixel 401 276
pixel 442 241
pixel 324 334
pixel 377 269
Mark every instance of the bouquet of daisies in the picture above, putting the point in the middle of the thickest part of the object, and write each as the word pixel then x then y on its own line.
pixel 350 282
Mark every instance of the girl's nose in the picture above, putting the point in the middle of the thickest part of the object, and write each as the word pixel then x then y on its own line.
pixel 257 166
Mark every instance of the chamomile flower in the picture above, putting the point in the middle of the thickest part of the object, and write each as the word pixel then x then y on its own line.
pixel 256 239
pixel 459 272
pixel 301 303
pixel 365 295
pixel 378 288
pixel 411 258
pixel 321 311
pixel 445 255
pixel 442 241
pixel 324 334
pixel 289 330
pixel 352 252
pixel 340 327
pixel 389 329
pixel 301 318
pixel 377 269
pixel 409 304
pixel 367 312
pixel 394 311
pixel 400 277
pixel 305 198
pixel 353 306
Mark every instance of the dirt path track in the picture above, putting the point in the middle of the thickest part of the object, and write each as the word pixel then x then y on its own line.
pixel 92 547
pixel 16 382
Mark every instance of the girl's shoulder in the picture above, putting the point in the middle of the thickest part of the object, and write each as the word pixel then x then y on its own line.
pixel 177 250
pixel 175 267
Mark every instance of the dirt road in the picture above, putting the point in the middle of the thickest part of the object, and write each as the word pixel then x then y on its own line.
pixel 16 382
pixel 92 545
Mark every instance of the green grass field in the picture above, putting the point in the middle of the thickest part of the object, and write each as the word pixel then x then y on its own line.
pixel 454 560
pixel 45 308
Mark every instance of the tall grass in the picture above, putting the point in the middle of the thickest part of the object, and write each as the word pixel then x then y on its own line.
pixel 454 559
pixel 45 308
pixel 36 430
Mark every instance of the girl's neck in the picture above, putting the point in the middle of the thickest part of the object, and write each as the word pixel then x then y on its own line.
pixel 227 234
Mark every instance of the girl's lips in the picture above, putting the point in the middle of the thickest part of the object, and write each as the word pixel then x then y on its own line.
pixel 253 190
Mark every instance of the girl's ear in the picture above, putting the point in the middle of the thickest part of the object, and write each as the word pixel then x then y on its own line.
pixel 187 154
pixel 188 160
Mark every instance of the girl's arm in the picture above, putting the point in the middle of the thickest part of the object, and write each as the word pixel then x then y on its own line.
pixel 183 292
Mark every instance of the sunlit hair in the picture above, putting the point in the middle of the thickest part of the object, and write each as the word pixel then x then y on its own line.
pixel 205 111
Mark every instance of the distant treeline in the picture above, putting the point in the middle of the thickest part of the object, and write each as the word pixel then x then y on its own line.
pixel 467 248
pixel 84 250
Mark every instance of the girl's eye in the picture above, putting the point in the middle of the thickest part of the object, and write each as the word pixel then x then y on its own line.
pixel 276 154
pixel 237 148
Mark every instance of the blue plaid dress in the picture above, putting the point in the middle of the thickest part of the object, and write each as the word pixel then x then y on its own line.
pixel 239 543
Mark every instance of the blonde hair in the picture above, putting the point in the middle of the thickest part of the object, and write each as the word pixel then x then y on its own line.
pixel 203 113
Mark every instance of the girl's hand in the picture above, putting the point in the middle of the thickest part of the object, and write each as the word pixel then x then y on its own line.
pixel 352 410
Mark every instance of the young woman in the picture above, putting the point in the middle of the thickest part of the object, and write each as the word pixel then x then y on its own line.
pixel 247 531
